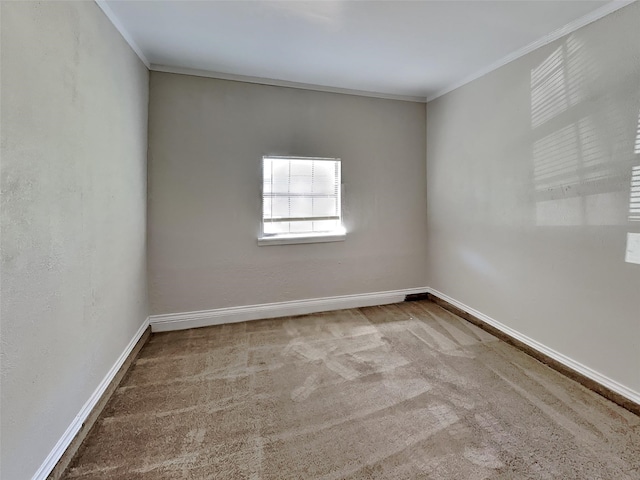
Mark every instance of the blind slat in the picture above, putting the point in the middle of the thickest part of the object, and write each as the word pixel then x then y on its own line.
pixel 299 219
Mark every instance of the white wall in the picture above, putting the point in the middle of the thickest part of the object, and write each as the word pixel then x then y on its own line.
pixel 529 173
pixel 74 136
pixel 207 139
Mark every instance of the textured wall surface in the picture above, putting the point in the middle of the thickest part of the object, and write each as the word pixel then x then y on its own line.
pixel 207 139
pixel 529 179
pixel 74 136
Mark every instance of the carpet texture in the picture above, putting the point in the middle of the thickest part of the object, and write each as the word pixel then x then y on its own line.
pixel 406 391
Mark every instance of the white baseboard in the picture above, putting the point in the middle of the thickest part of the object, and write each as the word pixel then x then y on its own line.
pixel 219 316
pixel 559 357
pixel 56 454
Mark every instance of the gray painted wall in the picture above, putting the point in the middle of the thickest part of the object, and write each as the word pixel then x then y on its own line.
pixel 529 173
pixel 74 142
pixel 206 142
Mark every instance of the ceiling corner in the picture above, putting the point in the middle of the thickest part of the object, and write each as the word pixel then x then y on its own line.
pixel 104 6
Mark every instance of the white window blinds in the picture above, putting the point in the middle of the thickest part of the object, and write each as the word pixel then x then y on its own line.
pixel 301 195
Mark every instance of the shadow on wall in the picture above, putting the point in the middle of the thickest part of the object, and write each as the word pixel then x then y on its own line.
pixel 586 142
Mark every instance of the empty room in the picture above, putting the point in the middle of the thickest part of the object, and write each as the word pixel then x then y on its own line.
pixel 320 240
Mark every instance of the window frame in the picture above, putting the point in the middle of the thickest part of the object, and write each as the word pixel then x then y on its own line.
pixel 306 237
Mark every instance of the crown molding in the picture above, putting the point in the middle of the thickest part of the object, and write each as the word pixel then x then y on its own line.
pixel 123 31
pixel 551 37
pixel 282 83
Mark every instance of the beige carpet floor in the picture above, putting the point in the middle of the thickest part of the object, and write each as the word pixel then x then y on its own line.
pixel 406 391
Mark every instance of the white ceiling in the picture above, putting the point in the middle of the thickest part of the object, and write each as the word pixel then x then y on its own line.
pixel 413 49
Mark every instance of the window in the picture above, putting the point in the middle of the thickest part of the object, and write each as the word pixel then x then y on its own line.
pixel 301 200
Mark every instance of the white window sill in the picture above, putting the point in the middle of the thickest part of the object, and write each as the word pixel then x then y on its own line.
pixel 302 238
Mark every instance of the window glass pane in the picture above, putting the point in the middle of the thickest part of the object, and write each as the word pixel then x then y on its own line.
pixel 301 227
pixel 271 228
pixel 280 169
pixel 326 225
pixel 301 207
pixel 266 208
pixel 266 174
pixel 324 168
pixel 301 168
pixel 300 185
pixel 325 207
pixel 280 207
pixel 280 186
pixel 325 185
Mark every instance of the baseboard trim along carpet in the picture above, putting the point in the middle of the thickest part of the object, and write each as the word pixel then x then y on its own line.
pixel 219 316
pixel 584 375
pixel 59 458
pixel 589 378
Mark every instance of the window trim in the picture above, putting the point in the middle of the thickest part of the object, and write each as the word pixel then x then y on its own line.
pixel 292 239
pixel 300 238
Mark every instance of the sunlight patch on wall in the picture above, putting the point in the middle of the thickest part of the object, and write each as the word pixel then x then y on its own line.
pixel 637 149
pixel 559 82
pixel 577 180
pixel 632 254
pixel 634 202
pixel 555 159
pixel 582 145
pixel 571 155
